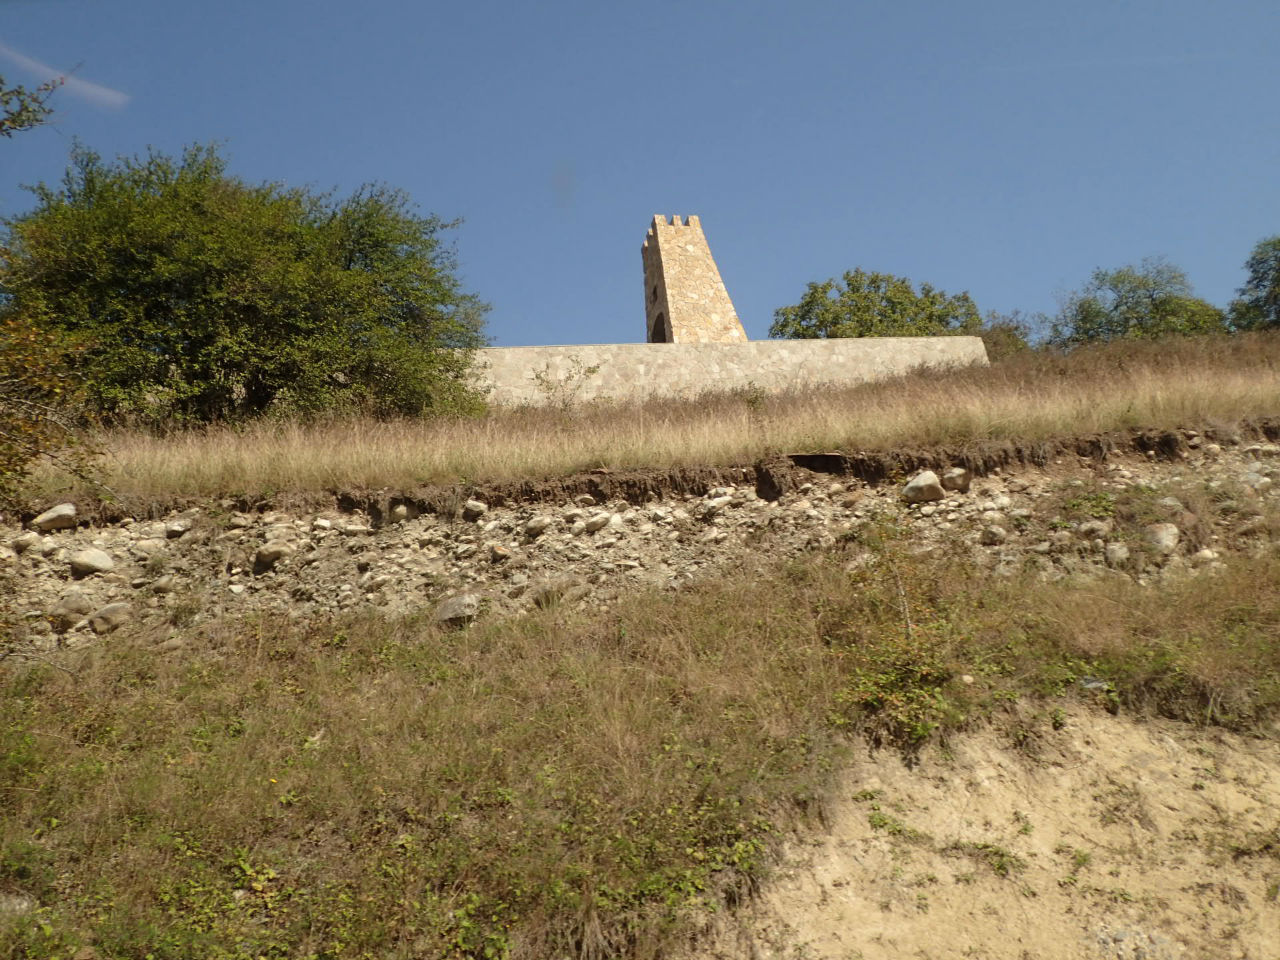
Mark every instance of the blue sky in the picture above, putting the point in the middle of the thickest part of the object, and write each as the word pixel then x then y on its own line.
pixel 1004 147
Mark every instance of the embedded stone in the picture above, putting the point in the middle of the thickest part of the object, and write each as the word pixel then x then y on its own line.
pixel 1163 537
pixel 536 527
pixel 923 487
pixel 1093 529
pixel 61 517
pixel 270 554
pixel 24 541
pixel 85 563
pixel 1117 554
pixel 561 589
pixel 957 479
pixel 993 536
pixel 150 546
pixel 69 611
pixel 716 505
pixel 111 617
pixel 458 611
pixel 474 509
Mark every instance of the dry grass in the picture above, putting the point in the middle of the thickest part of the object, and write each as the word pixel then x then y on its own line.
pixel 1151 385
pixel 562 785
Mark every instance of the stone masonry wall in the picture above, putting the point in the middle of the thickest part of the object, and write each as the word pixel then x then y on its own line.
pixel 632 371
pixel 685 299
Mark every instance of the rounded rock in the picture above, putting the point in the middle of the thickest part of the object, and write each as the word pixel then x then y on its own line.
pixel 1163 537
pixel 111 617
pixel 458 611
pixel 270 554
pixel 957 479
pixel 61 517
pixel 85 563
pixel 536 527
pixel 597 522
pixel 993 536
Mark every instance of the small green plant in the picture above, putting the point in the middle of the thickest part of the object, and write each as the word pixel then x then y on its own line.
pixel 1079 860
pixel 1099 505
pixel 561 391
pixel 1001 861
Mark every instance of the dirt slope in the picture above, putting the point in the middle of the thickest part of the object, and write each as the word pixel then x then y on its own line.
pixel 1107 839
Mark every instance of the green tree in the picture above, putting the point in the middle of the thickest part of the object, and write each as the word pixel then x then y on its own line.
pixel 864 304
pixel 22 109
pixel 1153 299
pixel 1259 303
pixel 39 405
pixel 197 296
pixel 1006 335
pixel 37 392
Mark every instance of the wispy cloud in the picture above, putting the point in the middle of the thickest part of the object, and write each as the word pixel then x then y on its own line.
pixel 94 93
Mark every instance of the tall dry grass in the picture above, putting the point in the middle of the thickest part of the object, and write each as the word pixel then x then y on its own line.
pixel 1037 395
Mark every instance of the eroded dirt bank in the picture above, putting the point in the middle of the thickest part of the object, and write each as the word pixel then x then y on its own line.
pixel 1105 839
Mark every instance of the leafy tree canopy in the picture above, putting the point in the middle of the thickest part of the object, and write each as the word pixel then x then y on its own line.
pixel 1153 299
pixel 1259 303
pixel 864 304
pixel 38 405
pixel 22 109
pixel 197 296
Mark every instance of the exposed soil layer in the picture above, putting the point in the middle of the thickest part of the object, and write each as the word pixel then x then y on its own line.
pixel 1104 839
pixel 773 477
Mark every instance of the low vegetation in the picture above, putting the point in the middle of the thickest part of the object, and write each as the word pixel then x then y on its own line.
pixel 1031 396
pixel 566 784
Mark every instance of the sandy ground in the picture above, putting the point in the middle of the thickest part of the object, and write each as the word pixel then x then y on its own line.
pixel 1104 839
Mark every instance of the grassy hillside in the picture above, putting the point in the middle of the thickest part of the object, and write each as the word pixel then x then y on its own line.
pixel 582 782
pixel 558 785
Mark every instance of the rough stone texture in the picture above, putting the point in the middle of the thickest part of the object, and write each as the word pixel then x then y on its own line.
pixel 458 611
pixel 24 541
pixel 685 300
pixel 69 611
pixel 922 487
pixel 1163 537
pixel 533 548
pixel 958 479
pixel 61 517
pixel 86 562
pixel 269 554
pixel 993 536
pixel 634 371
pixel 110 617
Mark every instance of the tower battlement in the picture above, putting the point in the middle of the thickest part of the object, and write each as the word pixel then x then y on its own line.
pixel 685 299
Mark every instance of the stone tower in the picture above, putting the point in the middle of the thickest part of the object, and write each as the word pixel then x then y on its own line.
pixel 684 298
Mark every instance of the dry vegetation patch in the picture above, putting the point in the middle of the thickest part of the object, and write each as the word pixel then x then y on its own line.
pixel 1186 381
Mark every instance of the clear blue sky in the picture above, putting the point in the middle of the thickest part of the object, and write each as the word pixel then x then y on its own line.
pixel 1004 147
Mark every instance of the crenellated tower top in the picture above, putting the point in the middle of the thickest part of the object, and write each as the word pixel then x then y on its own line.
pixel 685 300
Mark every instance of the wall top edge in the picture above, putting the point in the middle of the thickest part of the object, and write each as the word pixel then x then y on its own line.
pixel 736 346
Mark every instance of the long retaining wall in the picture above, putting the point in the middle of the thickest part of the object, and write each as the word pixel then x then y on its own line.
pixel 630 371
